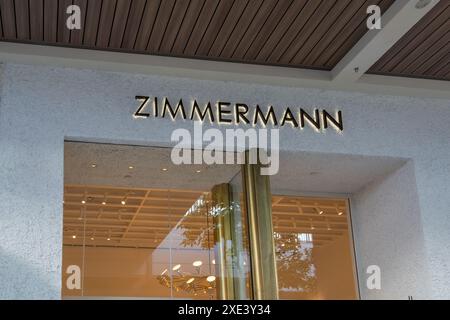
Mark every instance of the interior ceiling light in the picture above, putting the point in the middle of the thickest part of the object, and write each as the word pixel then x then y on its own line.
pixel 83 201
pixel 190 280
pixel 103 202
pixel 131 167
pixel 74 236
pixel 198 171
pixel 422 4
pixel 197 263
pixel 340 213
pixel 164 169
pixel 94 165
pixel 211 279
pixel 108 239
pixel 177 267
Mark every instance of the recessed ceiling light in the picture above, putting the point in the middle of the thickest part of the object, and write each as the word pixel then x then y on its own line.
pixel 74 237
pixel 176 267
pixel 340 213
pixel 83 201
pixel 108 239
pixel 211 279
pixel 198 171
pixel 131 167
pixel 422 4
pixel 94 165
pixel 197 263
pixel 92 238
pixel 104 203
pixel 164 169
pixel 123 202
pixel 321 212
pixel 190 280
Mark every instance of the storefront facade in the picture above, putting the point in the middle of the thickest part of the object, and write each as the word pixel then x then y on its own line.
pixel 399 201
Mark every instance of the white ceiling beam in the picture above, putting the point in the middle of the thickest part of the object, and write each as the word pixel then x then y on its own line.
pixel 401 16
pixel 215 70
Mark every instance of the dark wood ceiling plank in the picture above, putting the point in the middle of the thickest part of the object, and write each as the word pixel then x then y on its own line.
pixel 188 24
pixel 22 19
pixel 214 28
pixel 76 35
pixel 8 19
pixel 434 56
pixel 201 26
pixel 93 11
pixel 37 20
pixel 243 24
pixel 333 32
pixel 50 20
pixel 280 30
pixel 439 65
pixel 120 23
pixel 322 21
pixel 420 48
pixel 301 25
pixel 63 32
pixel 105 23
pixel 133 23
pixel 145 29
pixel 160 27
pixel 255 27
pixel 355 34
pixel 444 71
pixel 178 15
pixel 1 27
pixel 327 32
pixel 419 33
pixel 228 27
pixel 267 29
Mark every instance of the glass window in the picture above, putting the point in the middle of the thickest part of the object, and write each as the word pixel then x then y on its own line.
pixel 137 226
pixel 313 246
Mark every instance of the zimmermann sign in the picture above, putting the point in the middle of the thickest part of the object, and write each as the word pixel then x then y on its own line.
pixel 222 112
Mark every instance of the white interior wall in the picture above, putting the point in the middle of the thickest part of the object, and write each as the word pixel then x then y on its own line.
pixel 41 106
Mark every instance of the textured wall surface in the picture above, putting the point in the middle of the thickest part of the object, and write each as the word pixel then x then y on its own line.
pixel 387 212
pixel 41 106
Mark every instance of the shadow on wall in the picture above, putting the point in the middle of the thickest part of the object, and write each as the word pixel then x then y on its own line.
pixel 30 282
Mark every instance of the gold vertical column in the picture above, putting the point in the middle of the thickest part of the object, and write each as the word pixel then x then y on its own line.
pixel 223 241
pixel 259 212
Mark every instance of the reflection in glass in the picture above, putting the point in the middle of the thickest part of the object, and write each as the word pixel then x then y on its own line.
pixel 313 248
pixel 156 243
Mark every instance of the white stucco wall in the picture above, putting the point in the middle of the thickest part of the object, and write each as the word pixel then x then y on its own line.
pixel 41 106
pixel 388 230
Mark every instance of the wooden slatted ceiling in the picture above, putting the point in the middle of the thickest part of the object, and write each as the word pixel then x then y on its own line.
pixel 299 33
pixel 424 51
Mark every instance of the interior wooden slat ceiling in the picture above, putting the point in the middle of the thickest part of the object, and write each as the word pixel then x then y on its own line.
pixel 296 33
pixel 424 51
